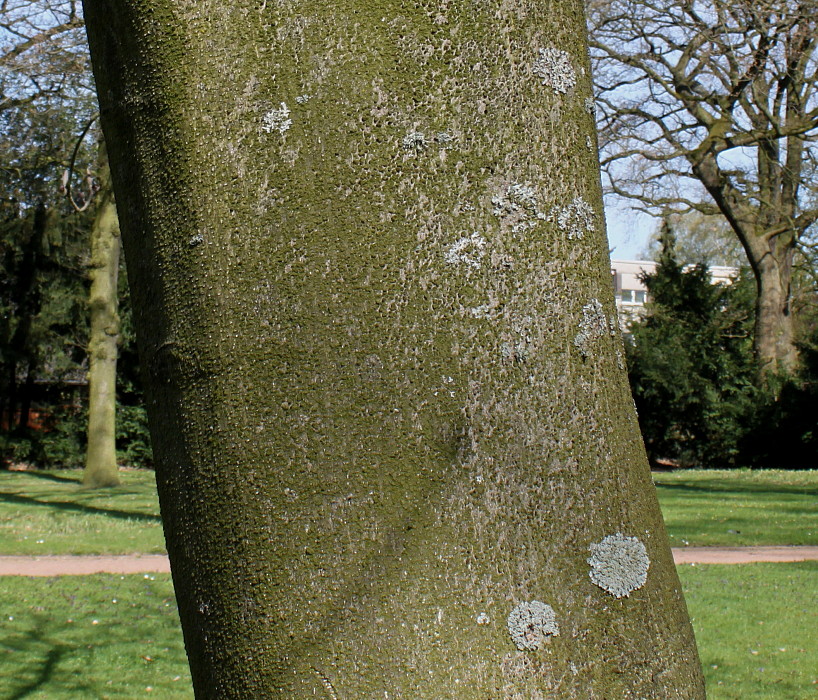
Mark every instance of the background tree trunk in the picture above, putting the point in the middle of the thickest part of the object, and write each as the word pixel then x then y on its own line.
pixel 769 242
pixel 392 427
pixel 100 459
pixel 774 337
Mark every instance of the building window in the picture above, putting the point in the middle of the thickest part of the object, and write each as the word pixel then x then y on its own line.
pixel 627 295
pixel 639 296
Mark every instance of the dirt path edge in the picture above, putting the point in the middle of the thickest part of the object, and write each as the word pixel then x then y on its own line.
pixel 82 565
pixel 743 555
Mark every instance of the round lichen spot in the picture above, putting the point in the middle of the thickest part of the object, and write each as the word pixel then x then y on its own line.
pixel 619 564
pixel 531 623
pixel 554 68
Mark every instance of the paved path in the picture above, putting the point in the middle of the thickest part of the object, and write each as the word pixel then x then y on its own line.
pixel 158 563
pixel 742 555
pixel 52 565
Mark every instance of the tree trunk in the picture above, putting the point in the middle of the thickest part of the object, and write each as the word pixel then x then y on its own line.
pixel 25 398
pixel 771 259
pixel 100 458
pixel 397 455
pixel 774 339
pixel 772 256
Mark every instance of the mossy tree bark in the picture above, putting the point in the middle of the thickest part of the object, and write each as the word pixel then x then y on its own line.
pixel 101 468
pixel 373 302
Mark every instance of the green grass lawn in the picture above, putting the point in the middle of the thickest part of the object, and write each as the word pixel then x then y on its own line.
pixel 739 507
pixel 757 629
pixel 109 636
pixel 100 636
pixel 50 513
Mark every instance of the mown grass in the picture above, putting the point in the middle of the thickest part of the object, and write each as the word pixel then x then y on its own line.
pixel 757 629
pixel 109 636
pixel 100 636
pixel 118 636
pixel 48 512
pixel 740 507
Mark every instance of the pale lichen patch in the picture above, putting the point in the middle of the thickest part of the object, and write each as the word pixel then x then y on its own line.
pixel 444 139
pixel 575 220
pixel 277 120
pixel 613 325
pixel 531 623
pixel 517 197
pixel 554 68
pixel 484 311
pixel 468 251
pixel 517 350
pixel 619 564
pixel 620 361
pixel 518 207
pixel 592 325
pixel 415 141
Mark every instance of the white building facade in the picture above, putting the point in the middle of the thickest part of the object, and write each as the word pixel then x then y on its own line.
pixel 631 293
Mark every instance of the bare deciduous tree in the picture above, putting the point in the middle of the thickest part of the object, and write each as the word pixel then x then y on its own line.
pixel 724 94
pixel 45 94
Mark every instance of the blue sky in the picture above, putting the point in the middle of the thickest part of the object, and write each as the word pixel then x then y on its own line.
pixel 628 231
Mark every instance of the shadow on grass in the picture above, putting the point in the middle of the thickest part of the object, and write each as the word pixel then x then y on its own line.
pixel 47 476
pixel 79 508
pixel 40 655
pixel 46 672
pixel 725 487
